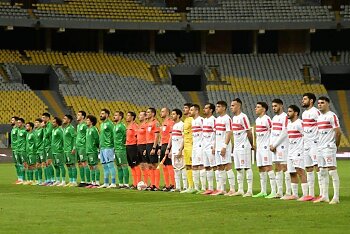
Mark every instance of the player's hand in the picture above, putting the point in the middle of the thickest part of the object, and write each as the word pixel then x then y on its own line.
pixel 153 152
pixel 253 147
pixel 144 153
pixel 223 152
pixel 272 149
pixel 73 151
pixel 213 151
pixel 158 152
pixel 166 152
pixel 179 155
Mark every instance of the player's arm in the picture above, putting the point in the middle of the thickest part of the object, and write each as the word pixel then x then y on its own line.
pixel 74 137
pixel 228 136
pixel 250 137
pixel 155 141
pixel 337 136
pixel 282 137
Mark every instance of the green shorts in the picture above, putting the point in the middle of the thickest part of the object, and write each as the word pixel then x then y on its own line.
pixel 14 157
pixel 92 159
pixel 21 157
pixel 40 157
pixel 58 159
pixel 31 159
pixel 120 157
pixel 70 158
pixel 81 155
pixel 49 154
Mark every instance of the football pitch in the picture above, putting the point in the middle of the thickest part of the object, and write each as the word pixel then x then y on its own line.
pixel 35 209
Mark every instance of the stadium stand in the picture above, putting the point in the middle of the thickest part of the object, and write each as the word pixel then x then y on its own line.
pixel 13 12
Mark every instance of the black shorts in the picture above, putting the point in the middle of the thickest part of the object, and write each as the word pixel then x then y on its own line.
pixel 151 158
pixel 132 155
pixel 142 158
pixel 167 161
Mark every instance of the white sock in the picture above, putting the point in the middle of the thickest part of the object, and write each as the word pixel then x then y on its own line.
pixel 231 179
pixel 304 188
pixel 250 180
pixel 223 180
pixel 210 178
pixel 325 181
pixel 295 189
pixel 240 178
pixel 203 178
pixel 335 178
pixel 195 175
pixel 320 183
pixel 184 178
pixel 279 182
pixel 287 181
pixel 178 179
pixel 217 179
pixel 311 182
pixel 263 178
pixel 272 181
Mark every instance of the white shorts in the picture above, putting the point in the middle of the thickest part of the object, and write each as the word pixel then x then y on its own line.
pixel 197 155
pixel 281 154
pixel 295 162
pixel 208 158
pixel 310 154
pixel 327 157
pixel 220 160
pixel 242 158
pixel 263 157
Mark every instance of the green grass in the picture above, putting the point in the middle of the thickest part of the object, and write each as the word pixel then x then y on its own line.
pixel 34 209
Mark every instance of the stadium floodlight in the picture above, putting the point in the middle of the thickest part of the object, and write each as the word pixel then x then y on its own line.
pixel 161 31
pixel 111 30
pixel 61 30
pixel 261 31
pixel 312 30
pixel 211 31
pixel 9 28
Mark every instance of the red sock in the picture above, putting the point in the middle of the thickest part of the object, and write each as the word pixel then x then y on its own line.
pixel 137 174
pixel 157 177
pixel 171 174
pixel 145 175
pixel 153 182
pixel 133 174
pixel 166 176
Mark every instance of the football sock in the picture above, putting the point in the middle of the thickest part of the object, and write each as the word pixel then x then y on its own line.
pixel 231 179
pixel 325 181
pixel 112 171
pixel 106 173
pixel 82 174
pixel 223 180
pixel 178 179
pixel 63 172
pixel 263 178
pixel 279 182
pixel 319 180
pixel 157 177
pixel 195 174
pixel 184 178
pixel 145 176
pixel 138 174
pixel 304 189
pixel 335 179
pixel 295 189
pixel 287 181
pixel 250 180
pixel 210 178
pixel 311 183
pixel 87 174
pixel 120 174
pixel 166 175
pixel 126 174
pixel 272 181
pixel 189 178
pixel 133 175
pixel 74 173
pixel 58 173
pixel 217 179
pixel 203 179
pixel 171 174
pixel 151 173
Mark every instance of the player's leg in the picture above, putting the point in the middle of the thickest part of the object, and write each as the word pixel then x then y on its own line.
pixel 195 168
pixel 124 165
pixel 220 174
pixel 294 181
pixel 104 160
pixel 15 162
pixel 188 162
pixel 109 153
pixel 249 172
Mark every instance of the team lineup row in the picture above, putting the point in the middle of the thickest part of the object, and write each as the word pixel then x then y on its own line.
pixel 192 151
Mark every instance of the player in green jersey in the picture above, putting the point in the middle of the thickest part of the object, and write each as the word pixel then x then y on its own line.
pixel 30 162
pixel 57 152
pixel 69 136
pixel 81 149
pixel 119 136
pixel 21 147
pixel 40 151
pixel 14 133
pixel 92 144
pixel 47 146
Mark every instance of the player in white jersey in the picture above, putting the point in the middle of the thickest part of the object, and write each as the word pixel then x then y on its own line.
pixel 222 148
pixel 279 147
pixel 263 125
pixel 243 141
pixel 309 117
pixel 328 142
pixel 295 163
pixel 198 171
pixel 175 149
pixel 208 145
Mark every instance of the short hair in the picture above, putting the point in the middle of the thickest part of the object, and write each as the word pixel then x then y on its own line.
pixel 237 100
pixel 31 124
pixel 14 117
pixel 211 107
pixel 310 96
pixel 46 115
pixel 143 111
pixel 278 101
pixel 83 113
pixel 106 111
pixel 178 112
pixel 39 120
pixel 264 105
pixel 133 114
pixel 196 106
pixel 93 119
pixel 58 120
pixel 69 117
pixel 121 113
pixel 153 110
pixel 21 119
pixel 324 98
pixel 294 108
pixel 188 104
pixel 222 103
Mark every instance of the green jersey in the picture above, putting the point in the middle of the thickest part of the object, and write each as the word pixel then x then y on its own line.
pixel 106 134
pixel 30 144
pixel 48 135
pixel 14 135
pixel 68 138
pixel 81 135
pixel 21 140
pixel 119 135
pixel 39 139
pixel 57 141
pixel 92 140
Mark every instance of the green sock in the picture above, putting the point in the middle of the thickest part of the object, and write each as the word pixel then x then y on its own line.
pixel 70 174
pixel 93 175
pixel 17 171
pixel 58 173
pixel 97 174
pixel 126 174
pixel 120 174
pixel 40 174
pixel 30 174
pixel 82 174
pixel 23 172
pixel 36 174
pixel 75 174
pixel 63 172
pixel 87 174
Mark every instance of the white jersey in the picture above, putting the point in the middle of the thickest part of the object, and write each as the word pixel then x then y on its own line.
pixel 240 126
pixel 223 124
pixel 279 135
pixel 295 136
pixel 208 132
pixel 326 124
pixel 309 118
pixel 263 127
pixel 197 130
pixel 177 136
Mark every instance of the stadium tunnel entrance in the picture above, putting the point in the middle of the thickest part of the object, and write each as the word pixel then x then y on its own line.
pixel 189 78
pixel 39 77
pixel 335 77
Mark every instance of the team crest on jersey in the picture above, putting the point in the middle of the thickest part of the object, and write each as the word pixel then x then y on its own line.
pixel 105 127
pixel 282 147
pixel 265 147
